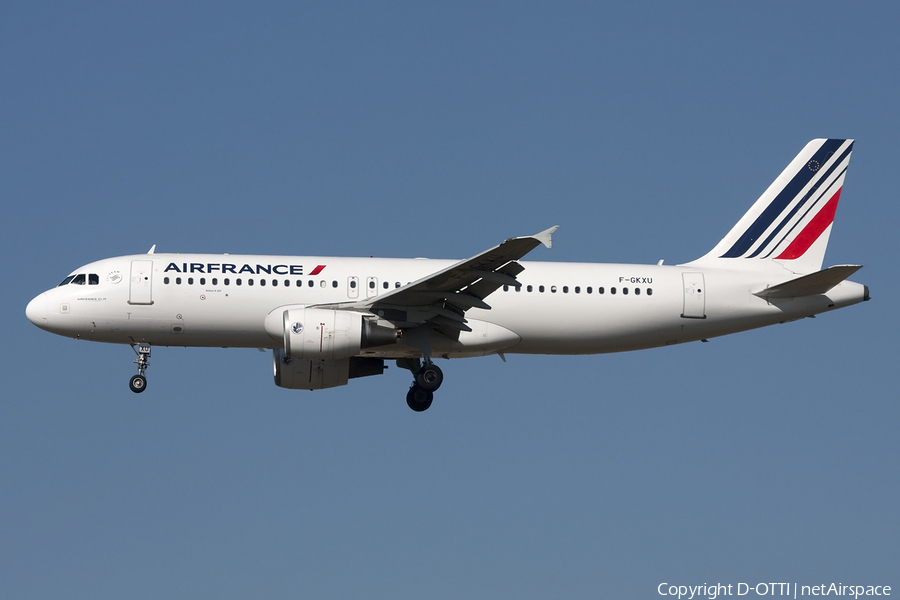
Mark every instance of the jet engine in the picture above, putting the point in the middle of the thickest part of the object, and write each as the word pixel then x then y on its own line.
pixel 323 334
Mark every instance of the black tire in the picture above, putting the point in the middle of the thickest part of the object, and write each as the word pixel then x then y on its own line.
pixel 418 399
pixel 138 384
pixel 430 377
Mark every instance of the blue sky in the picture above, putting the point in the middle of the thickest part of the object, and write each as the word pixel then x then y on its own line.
pixel 645 130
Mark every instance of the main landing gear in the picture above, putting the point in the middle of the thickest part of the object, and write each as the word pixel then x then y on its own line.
pixel 428 378
pixel 138 383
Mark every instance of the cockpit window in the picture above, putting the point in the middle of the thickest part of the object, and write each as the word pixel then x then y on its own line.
pixel 92 279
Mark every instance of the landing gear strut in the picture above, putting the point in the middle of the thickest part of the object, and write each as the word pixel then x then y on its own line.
pixel 427 378
pixel 138 383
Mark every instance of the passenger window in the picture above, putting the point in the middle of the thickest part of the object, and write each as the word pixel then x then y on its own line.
pixel 287 283
pixel 505 288
pixel 541 289
pixel 577 290
pixel 79 279
pixel 190 281
pixel 396 285
pixel 166 280
pixel 334 284
pixel 529 288
pixel 250 281
pixel 93 279
pixel 262 282
pixel 274 283
pixel 203 281
pixel 237 281
pixel 178 281
pixel 215 281
pixel 371 285
pixel 565 289
pixel 553 288
pixel 322 283
pixel 600 290
pixel 625 291
pixel 637 291
pixel 311 283
pixel 649 291
pixel 352 284
pixel 518 288
pixel 227 281
pixel 612 290
pixel 299 283
pixel 385 285
pixel 588 289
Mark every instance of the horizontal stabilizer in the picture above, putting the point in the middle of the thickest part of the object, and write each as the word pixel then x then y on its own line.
pixel 819 282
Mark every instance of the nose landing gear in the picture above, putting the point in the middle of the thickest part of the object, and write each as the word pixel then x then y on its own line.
pixel 138 382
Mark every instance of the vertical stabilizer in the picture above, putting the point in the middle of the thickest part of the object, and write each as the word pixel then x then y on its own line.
pixel 790 223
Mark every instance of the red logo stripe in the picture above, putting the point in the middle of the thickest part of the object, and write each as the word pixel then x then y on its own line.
pixel 812 231
pixel 317 270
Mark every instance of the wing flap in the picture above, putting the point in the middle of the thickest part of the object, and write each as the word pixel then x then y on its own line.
pixel 462 300
pixel 451 323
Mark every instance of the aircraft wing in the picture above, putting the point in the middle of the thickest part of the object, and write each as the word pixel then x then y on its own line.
pixel 443 297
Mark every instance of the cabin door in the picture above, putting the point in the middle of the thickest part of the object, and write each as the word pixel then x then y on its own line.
pixel 141 282
pixel 694 296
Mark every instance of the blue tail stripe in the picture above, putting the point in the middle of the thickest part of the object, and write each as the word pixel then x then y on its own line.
pixel 777 206
pixel 802 202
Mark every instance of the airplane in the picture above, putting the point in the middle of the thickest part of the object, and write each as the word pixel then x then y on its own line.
pixel 330 319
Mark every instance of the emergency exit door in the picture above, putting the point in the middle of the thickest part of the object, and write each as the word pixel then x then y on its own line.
pixel 371 287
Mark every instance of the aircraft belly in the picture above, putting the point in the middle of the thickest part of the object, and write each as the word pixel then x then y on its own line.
pixel 485 338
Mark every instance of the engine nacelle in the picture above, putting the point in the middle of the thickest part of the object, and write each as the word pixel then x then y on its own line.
pixel 322 334
pixel 304 374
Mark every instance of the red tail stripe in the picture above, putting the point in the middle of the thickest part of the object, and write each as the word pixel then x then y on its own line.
pixel 812 231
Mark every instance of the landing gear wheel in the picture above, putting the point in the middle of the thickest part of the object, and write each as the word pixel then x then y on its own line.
pixel 138 384
pixel 430 377
pixel 419 399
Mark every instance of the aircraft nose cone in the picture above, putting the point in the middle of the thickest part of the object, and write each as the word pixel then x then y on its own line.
pixel 36 311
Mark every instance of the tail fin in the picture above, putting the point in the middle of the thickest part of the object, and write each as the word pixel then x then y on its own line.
pixel 791 222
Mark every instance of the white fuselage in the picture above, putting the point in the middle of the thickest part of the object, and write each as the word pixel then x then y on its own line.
pixel 559 308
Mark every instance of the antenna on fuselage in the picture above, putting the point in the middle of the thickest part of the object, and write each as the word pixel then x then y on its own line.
pixel 152 249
